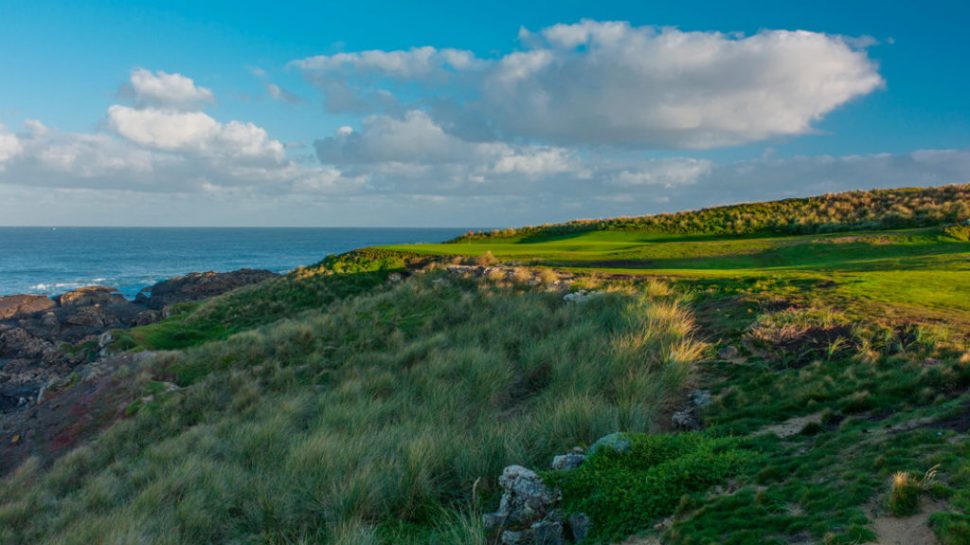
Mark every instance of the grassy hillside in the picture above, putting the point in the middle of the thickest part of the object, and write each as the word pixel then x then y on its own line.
pixel 376 396
pixel 877 209
pixel 362 421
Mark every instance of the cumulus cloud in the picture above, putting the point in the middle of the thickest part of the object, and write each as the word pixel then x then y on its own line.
pixel 9 145
pixel 162 145
pixel 165 90
pixel 194 132
pixel 102 161
pixel 593 83
pixel 415 145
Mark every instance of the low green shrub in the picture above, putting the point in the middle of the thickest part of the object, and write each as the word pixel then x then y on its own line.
pixel 626 492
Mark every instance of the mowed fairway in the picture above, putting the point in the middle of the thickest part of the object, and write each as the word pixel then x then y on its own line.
pixel 910 270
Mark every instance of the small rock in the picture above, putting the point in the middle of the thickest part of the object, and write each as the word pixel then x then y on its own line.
pixel 105 339
pixel 517 537
pixel 579 526
pixel 727 352
pixel 548 532
pixel 525 513
pixel 493 521
pixel 147 317
pixel 579 297
pixel 700 398
pixel 564 462
pixel 685 419
pixel 617 442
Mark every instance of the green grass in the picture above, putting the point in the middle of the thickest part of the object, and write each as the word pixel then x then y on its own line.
pixel 304 289
pixel 361 421
pixel 921 271
pixel 341 405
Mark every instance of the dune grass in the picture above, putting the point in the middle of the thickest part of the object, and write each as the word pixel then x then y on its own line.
pixel 361 422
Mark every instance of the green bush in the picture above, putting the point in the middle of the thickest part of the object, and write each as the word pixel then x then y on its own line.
pixel 624 493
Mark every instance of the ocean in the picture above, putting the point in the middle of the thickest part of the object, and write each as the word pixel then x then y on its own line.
pixel 49 261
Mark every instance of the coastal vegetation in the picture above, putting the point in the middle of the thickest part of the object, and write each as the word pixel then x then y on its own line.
pixel 820 346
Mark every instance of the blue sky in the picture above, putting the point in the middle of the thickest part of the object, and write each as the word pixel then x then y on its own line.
pixel 874 94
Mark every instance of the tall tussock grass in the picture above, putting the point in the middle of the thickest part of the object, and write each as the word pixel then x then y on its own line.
pixel 382 418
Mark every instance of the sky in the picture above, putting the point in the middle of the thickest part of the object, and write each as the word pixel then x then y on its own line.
pixel 467 114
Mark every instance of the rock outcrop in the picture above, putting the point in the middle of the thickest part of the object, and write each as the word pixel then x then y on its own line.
pixel 42 338
pixel 528 514
pixel 12 306
pixel 196 286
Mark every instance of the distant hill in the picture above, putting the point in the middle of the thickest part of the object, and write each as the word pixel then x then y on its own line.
pixel 854 210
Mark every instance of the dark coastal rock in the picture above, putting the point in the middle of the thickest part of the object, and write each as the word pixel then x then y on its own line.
pixel 13 306
pixel 18 343
pixel 44 339
pixel 91 295
pixel 196 286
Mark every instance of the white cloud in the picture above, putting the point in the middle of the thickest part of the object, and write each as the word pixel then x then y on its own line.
pixel 664 172
pixel 194 132
pixel 415 63
pixel 162 89
pixel 414 145
pixel 612 83
pixel 161 146
pixel 280 94
pixel 102 161
pixel 9 145
pixel 595 83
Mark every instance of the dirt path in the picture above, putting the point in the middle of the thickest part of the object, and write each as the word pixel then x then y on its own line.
pixel 912 530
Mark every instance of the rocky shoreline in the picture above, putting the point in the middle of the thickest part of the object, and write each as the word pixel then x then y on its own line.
pixel 45 339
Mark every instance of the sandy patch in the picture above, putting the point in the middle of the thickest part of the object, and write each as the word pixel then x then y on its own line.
pixel 792 426
pixel 911 530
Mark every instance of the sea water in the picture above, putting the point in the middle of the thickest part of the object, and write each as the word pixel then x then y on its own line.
pixel 46 260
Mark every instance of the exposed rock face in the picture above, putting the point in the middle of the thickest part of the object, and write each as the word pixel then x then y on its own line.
pixel 12 306
pixel 91 295
pixel 43 338
pixel 196 286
